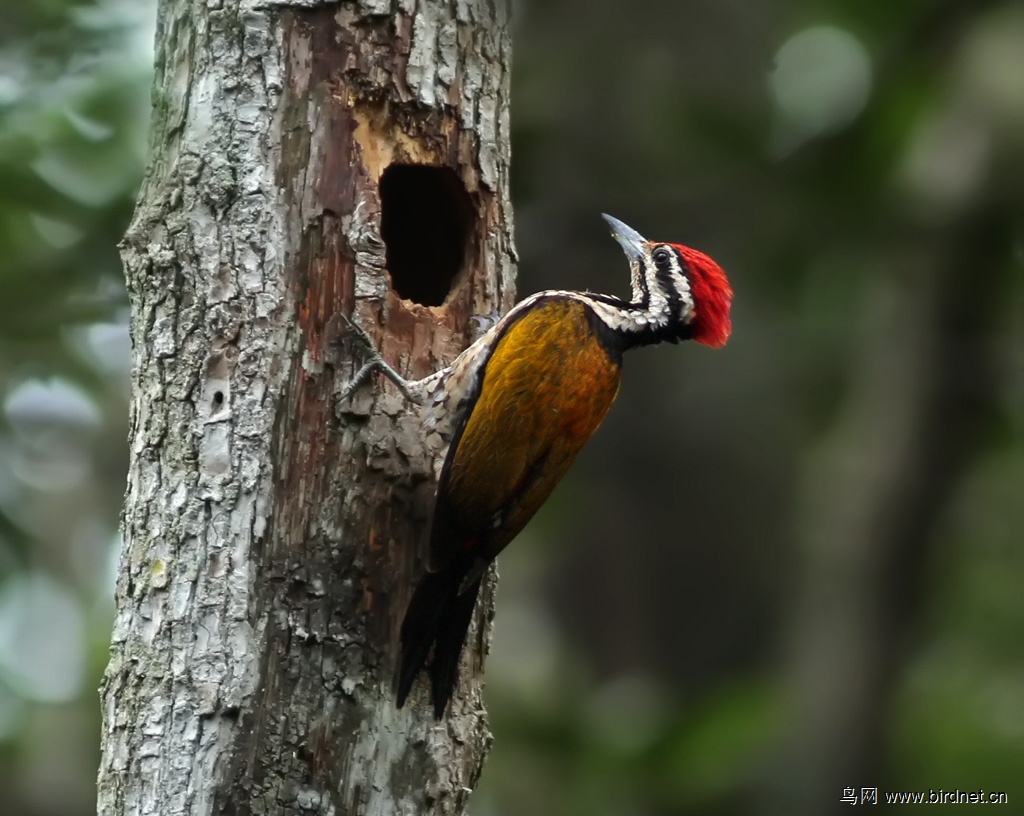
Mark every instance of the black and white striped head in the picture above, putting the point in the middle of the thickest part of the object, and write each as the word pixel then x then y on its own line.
pixel 678 292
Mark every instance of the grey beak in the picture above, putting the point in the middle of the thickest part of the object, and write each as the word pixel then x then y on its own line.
pixel 631 241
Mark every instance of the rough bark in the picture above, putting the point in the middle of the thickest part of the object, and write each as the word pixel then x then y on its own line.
pixel 272 533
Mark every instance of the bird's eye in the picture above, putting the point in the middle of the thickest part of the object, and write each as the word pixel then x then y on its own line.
pixel 661 256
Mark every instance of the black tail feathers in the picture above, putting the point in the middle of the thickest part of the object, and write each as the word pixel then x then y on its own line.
pixel 438 616
pixel 451 635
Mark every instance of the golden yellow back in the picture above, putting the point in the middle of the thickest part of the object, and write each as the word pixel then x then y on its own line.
pixel 546 388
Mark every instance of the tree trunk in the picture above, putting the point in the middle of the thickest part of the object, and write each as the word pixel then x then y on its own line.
pixel 308 160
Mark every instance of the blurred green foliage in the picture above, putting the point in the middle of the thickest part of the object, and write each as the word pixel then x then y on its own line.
pixel 858 168
pixel 73 117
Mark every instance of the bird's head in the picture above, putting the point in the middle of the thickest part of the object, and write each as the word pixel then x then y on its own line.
pixel 677 282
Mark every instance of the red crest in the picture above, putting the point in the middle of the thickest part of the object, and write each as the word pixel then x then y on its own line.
pixel 712 298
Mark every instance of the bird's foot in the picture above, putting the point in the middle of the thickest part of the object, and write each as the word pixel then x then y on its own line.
pixel 374 362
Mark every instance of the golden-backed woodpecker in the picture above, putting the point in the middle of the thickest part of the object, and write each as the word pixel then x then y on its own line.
pixel 516 407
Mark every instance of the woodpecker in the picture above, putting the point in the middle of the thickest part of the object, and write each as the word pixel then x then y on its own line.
pixel 515 408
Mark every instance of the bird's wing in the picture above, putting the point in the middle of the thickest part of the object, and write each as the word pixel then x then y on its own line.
pixel 545 389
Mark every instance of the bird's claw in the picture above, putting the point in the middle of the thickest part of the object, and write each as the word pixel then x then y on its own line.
pixel 374 362
pixel 360 335
pixel 360 377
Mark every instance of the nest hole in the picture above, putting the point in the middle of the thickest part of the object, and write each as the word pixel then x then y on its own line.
pixel 426 220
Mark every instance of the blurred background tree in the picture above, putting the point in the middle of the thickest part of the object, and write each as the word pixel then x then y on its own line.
pixel 781 569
